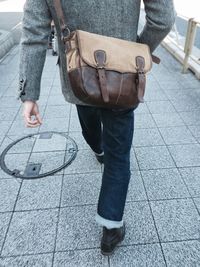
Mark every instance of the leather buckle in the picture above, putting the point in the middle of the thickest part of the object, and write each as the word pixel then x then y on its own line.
pixel 100 67
pixel 65 34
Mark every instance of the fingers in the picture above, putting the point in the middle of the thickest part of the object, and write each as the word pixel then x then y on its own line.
pixel 32 123
pixel 31 108
pixel 38 118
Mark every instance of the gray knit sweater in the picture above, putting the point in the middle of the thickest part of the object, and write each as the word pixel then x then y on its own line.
pixel 117 18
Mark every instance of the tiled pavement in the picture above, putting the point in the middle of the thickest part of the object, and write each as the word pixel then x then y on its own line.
pixel 50 222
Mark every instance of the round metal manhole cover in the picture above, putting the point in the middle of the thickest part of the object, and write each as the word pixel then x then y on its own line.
pixel 38 155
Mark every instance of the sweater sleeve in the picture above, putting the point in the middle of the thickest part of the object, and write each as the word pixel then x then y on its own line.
pixel 36 25
pixel 160 17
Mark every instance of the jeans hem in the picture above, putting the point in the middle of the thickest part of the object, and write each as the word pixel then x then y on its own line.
pixel 109 224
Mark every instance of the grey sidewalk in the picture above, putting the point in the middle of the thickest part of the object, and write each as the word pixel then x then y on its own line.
pixel 51 221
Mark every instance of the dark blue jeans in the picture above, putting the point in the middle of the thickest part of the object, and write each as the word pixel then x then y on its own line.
pixel 115 139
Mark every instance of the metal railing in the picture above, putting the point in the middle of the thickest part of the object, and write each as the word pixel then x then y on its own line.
pixel 189 42
pixel 182 46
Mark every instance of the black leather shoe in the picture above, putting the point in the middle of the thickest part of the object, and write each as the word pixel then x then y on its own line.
pixel 110 239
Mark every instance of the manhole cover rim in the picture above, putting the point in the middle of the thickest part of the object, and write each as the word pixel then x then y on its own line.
pixel 17 173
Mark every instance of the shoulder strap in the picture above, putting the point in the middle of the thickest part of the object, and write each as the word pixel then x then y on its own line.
pixel 65 31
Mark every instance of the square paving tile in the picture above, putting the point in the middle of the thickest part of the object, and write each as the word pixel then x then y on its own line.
pixel 56 100
pixel 9 115
pixel 16 161
pixel 159 107
pixel 197 202
pixel 49 160
pixel 156 95
pixel 190 83
pixel 191 177
pixel 43 99
pixel 168 119
pixel 55 124
pixel 186 155
pixel 41 260
pixel 177 135
pixel 164 75
pixel 84 162
pixel 2 138
pixel 140 256
pixel 191 118
pixel 3 88
pixel 180 95
pixel 133 161
pixel 154 157
pixel 47 79
pixel 195 130
pixel 147 137
pixel 74 112
pixel 78 229
pixel 55 143
pixel 80 258
pixel 181 254
pixel 74 125
pixel 9 102
pixel 184 105
pixel 4 222
pixel 141 109
pixel 139 224
pixel 55 90
pixel 136 190
pixel 31 232
pixel 18 126
pixel 4 175
pixel 11 91
pixel 40 193
pixel 4 142
pixel 164 184
pixel 57 112
pixel 8 193
pixel 24 146
pixel 169 85
pixel 45 90
pixel 81 189
pixel 152 84
pixel 4 127
pixel 79 139
pixel 144 121
pixel 176 219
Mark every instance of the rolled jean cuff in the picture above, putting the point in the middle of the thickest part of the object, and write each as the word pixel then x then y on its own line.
pixel 108 223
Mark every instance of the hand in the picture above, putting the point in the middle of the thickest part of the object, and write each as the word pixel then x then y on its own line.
pixel 30 108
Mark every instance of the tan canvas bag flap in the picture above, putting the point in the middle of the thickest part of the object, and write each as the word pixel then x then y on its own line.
pixel 120 54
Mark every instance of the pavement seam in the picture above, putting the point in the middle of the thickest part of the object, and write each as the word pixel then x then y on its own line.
pixel 58 215
pixel 4 241
pixel 190 194
pixel 150 206
pixel 154 222
pixel 181 174
pixel 93 204
pixel 95 248
pixel 167 146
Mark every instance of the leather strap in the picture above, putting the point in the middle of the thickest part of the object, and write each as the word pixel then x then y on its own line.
pixel 155 59
pixel 100 58
pixel 140 63
pixel 103 85
pixel 65 31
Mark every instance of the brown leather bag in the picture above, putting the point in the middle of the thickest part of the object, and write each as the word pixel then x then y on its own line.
pixel 105 71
